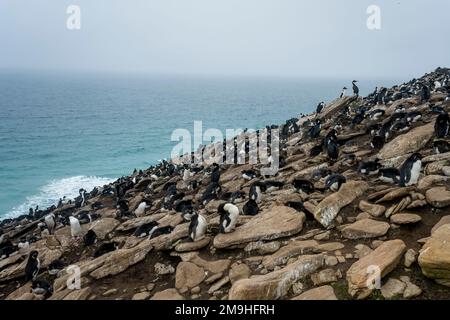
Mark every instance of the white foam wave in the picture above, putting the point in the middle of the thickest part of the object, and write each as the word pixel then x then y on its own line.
pixel 50 193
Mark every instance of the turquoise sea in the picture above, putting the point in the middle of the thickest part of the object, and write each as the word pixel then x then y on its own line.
pixel 60 132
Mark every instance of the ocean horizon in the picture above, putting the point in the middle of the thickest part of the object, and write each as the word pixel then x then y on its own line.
pixel 60 132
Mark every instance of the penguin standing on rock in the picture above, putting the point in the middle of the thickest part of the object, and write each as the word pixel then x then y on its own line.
pixel 228 217
pixel 344 90
pixel 140 210
pixel 355 88
pixel 410 170
pixel 320 107
pixel 197 227
pixel 50 222
pixel 75 227
pixel 215 174
pixel 33 265
pixel 256 190
pixel 250 208
pixel 90 238
pixel 441 126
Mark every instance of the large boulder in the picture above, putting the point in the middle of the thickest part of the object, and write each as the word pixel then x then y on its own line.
pixel 277 222
pixel 103 227
pixel 329 207
pixel 409 142
pixel 434 258
pixel 438 197
pixel 275 285
pixel 188 275
pixel 120 260
pixel 319 293
pixel 365 228
pixel 380 262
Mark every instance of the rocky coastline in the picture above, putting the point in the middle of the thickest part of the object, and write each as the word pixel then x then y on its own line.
pixel 343 218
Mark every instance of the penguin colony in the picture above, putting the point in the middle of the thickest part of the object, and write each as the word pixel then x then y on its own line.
pixel 197 193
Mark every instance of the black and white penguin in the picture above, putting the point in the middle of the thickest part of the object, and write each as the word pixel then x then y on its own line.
pixel 197 227
pixel 389 175
pixel 160 231
pixel 250 208
pixel 425 93
pixel 75 227
pixel 369 167
pixel 146 229
pixel 334 182
pixel 320 107
pixel 272 185
pixel 376 114
pixel 104 248
pixel 41 287
pixel 437 109
pixel 377 142
pixel 410 170
pixel 414 116
pixel 211 192
pixel 302 185
pixel 90 238
pixel 215 174
pixel 320 174
pixel 441 146
pixel 228 217
pixel 55 267
pixel 314 131
pixel 256 190
pixel 355 88
pixel 441 126
pixel 332 150
pixel 50 222
pixel 33 265
pixel 344 90
pixel 140 210
pixel 249 174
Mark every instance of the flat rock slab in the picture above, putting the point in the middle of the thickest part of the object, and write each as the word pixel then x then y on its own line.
pixel 275 285
pixel 320 293
pixel 277 222
pixel 293 249
pixel 438 197
pixel 104 226
pixel 192 246
pixel 168 294
pixel 375 210
pixel 444 220
pixel 380 262
pixel 120 260
pixel 366 228
pixel 329 207
pixel 405 218
pixel 409 142
pixel 188 275
pixel 434 258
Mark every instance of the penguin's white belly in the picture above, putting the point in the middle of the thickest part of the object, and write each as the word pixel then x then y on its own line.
pixel 415 172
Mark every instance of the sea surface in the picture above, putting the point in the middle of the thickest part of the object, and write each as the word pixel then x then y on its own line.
pixel 60 132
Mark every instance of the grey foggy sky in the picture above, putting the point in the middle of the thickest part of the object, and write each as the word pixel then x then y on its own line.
pixel 297 38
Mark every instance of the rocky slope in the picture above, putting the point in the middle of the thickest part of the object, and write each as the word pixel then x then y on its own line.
pixel 305 243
